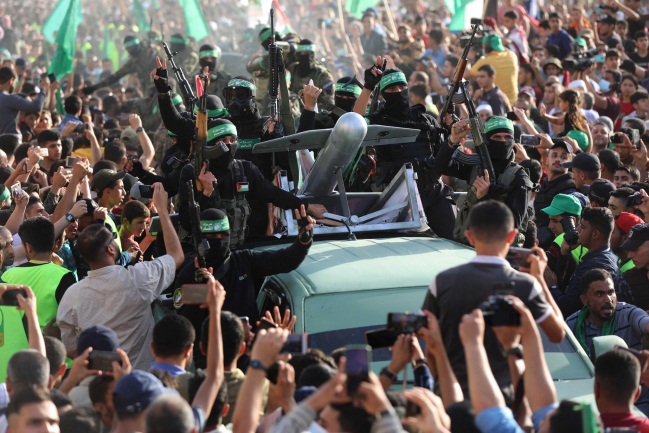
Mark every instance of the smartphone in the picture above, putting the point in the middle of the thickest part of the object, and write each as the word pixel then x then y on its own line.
pixel 642 359
pixel 265 324
pixel 359 358
pixel 123 120
pixel 380 338
pixel 67 172
pixel 156 226
pixel 43 152
pixel 146 191
pixel 52 78
pixel 296 344
pixel 71 160
pixel 102 360
pixel 16 189
pixel 530 140
pixel 512 116
pixel 517 257
pixel 634 199
pixel 10 297
pixel 406 323
pixel 245 321
pixel 193 293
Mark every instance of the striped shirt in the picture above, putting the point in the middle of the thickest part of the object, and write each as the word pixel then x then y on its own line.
pixel 630 325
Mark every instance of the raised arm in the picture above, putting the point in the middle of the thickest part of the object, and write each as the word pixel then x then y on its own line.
pixel 372 78
pixel 148 152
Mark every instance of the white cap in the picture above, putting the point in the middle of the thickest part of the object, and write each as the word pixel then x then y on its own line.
pixel 577 84
pixel 484 107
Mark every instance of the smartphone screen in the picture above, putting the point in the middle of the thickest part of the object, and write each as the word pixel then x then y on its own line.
pixel 10 297
pixel 358 366
pixel 16 189
pixel 265 324
pixel 380 338
pixel 146 191
pixel 530 140
pixel 406 323
pixel 71 160
pixel 52 78
pixel 517 257
pixel 102 360
pixel 194 293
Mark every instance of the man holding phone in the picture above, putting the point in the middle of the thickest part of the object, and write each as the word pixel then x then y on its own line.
pixel 117 297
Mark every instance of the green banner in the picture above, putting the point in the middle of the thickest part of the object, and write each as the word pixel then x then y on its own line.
pixel 195 24
pixel 63 61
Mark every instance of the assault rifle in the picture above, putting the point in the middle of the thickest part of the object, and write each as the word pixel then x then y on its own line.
pixel 185 89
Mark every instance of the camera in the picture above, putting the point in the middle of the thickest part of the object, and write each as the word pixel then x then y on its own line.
pixel 91 206
pixel 570 230
pixel 499 311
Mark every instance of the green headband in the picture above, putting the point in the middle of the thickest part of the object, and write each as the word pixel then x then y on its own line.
pixel 348 88
pixel 5 194
pixel 242 83
pixel 171 134
pixel 214 112
pixel 498 123
pixel 215 226
pixel 209 53
pixel 177 40
pixel 177 99
pixel 220 131
pixel 392 78
pixel 309 47
pixel 266 34
pixel 132 43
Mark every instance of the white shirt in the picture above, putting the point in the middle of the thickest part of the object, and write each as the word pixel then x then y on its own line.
pixel 119 298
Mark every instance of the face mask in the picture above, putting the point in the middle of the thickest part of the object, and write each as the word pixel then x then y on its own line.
pixel 397 104
pixel 306 64
pixel 501 150
pixel 346 103
pixel 604 85
pixel 222 163
pixel 219 250
pixel 241 107
pixel 210 64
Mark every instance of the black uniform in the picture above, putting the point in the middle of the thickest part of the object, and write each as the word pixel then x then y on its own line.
pixel 436 197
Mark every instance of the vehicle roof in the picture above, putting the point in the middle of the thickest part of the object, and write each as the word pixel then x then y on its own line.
pixel 343 265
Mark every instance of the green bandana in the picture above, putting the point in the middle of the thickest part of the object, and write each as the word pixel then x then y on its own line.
pixel 214 113
pixel 215 226
pixel 171 134
pixel 242 83
pixel 309 47
pixel 608 327
pixel 390 79
pixel 349 88
pixel 5 195
pixel 132 43
pixel 177 99
pixel 266 34
pixel 209 53
pixel 177 40
pixel 220 131
pixel 498 123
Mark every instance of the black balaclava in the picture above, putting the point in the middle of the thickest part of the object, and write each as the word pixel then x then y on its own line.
pixel 240 98
pixel 216 221
pixel 177 43
pixel 347 86
pixel 132 45
pixel 396 104
pixel 216 130
pixel 208 56
pixel 501 152
pixel 306 57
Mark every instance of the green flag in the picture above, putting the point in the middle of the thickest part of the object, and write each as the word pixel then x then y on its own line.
pixel 463 11
pixel 195 24
pixel 357 7
pixel 142 16
pixel 55 20
pixel 63 60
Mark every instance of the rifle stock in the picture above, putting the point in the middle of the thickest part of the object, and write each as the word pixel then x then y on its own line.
pixel 200 139
pixel 185 89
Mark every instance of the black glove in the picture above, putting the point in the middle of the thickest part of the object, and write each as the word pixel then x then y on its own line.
pixel 161 83
pixel 304 236
pixel 138 169
pixel 88 90
pixel 371 80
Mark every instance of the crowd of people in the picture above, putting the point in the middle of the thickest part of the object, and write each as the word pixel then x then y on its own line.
pixel 109 206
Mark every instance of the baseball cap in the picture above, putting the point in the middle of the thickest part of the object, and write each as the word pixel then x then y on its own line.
pixel 600 189
pixel 561 143
pixel 553 61
pixel 580 137
pixel 563 204
pixel 580 41
pixel 135 392
pixel 129 136
pixel 134 193
pixel 129 181
pixel 608 19
pixel 105 177
pixel 527 90
pixel 99 337
pixel 494 41
pixel 638 235
pixel 625 221
pixel 585 162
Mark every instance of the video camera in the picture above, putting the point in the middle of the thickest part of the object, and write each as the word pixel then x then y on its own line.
pixel 476 45
pixel 398 323
pixel 499 311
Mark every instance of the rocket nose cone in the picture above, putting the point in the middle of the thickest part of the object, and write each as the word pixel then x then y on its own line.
pixel 351 126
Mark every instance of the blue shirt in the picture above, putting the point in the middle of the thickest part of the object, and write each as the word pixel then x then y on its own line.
pixel 173 370
pixel 68 118
pixel 562 40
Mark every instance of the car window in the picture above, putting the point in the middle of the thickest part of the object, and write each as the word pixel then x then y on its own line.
pixel 273 295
